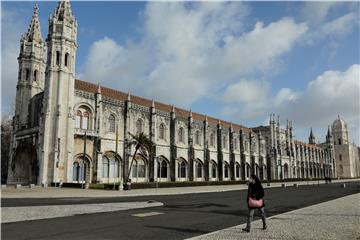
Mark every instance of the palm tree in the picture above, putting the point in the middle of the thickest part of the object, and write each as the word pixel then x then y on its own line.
pixel 143 148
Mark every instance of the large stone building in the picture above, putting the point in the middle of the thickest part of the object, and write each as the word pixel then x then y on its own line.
pixel 346 153
pixel 68 130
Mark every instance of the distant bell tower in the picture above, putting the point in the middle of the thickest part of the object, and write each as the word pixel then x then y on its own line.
pixel 59 94
pixel 340 132
pixel 31 71
pixel 312 138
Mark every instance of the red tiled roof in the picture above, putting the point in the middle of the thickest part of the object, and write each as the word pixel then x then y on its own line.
pixel 115 94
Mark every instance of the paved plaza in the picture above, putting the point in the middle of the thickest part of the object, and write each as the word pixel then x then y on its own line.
pixel 310 210
pixel 337 219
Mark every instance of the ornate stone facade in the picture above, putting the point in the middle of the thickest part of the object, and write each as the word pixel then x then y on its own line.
pixel 75 131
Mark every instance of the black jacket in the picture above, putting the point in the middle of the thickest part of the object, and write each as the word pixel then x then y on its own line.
pixel 255 191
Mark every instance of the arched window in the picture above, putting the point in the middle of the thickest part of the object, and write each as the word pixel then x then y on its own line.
pixel 247 170
pixel 78 119
pixel 235 143
pixel 27 74
pixel 182 169
pixel 116 169
pixel 58 58
pixel 140 169
pixel 162 131
pixel 75 171
pixel 197 138
pixel 112 168
pixel 164 167
pixel 66 59
pixel 224 142
pixel 181 135
pixel 212 140
pixel 35 75
pixel 340 157
pixel 339 141
pixel 111 123
pixel 85 120
pixel 134 169
pixel 82 171
pixel 139 126
pixel 237 170
pixel 213 170
pixel 105 167
pixel 226 170
pixel 199 169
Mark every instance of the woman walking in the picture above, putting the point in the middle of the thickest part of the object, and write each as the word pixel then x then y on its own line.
pixel 255 200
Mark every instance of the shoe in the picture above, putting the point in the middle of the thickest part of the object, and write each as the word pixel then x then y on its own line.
pixel 246 230
pixel 264 227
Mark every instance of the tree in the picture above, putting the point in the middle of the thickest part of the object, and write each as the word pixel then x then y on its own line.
pixel 143 148
pixel 6 132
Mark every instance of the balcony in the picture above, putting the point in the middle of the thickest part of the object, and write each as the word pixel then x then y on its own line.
pixel 91 133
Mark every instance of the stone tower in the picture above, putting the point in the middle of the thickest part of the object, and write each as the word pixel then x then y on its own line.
pixel 312 138
pixel 31 71
pixel 58 131
pixel 340 132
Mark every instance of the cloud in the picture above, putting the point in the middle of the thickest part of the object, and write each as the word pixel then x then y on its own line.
pixel 192 48
pixel 316 12
pixel 246 91
pixel 11 32
pixel 326 20
pixel 341 25
pixel 331 93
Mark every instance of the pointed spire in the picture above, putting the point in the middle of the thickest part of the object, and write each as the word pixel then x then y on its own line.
pixel 172 108
pixel 129 97
pixel 206 119
pixel 98 89
pixel 63 11
pixel 34 32
pixel 312 137
pixel 190 113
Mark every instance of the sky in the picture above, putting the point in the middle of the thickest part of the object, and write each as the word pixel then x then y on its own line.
pixel 237 61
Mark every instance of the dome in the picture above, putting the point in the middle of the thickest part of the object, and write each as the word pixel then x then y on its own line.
pixel 339 124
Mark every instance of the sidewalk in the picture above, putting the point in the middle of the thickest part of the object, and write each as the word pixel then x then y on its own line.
pixel 52 192
pixel 335 219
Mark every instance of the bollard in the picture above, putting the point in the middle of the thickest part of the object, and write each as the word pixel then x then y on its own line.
pixel 44 185
pixel 17 186
pixel 31 185
pixel 283 185
pixel 343 185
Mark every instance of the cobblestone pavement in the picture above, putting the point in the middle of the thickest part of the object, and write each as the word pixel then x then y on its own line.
pixel 16 214
pixel 336 219
pixel 52 192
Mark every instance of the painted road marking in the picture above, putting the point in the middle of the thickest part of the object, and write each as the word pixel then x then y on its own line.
pixel 147 214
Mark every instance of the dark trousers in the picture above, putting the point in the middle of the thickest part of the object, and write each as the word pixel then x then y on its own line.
pixel 251 215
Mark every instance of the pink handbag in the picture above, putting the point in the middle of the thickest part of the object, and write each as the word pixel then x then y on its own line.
pixel 255 203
